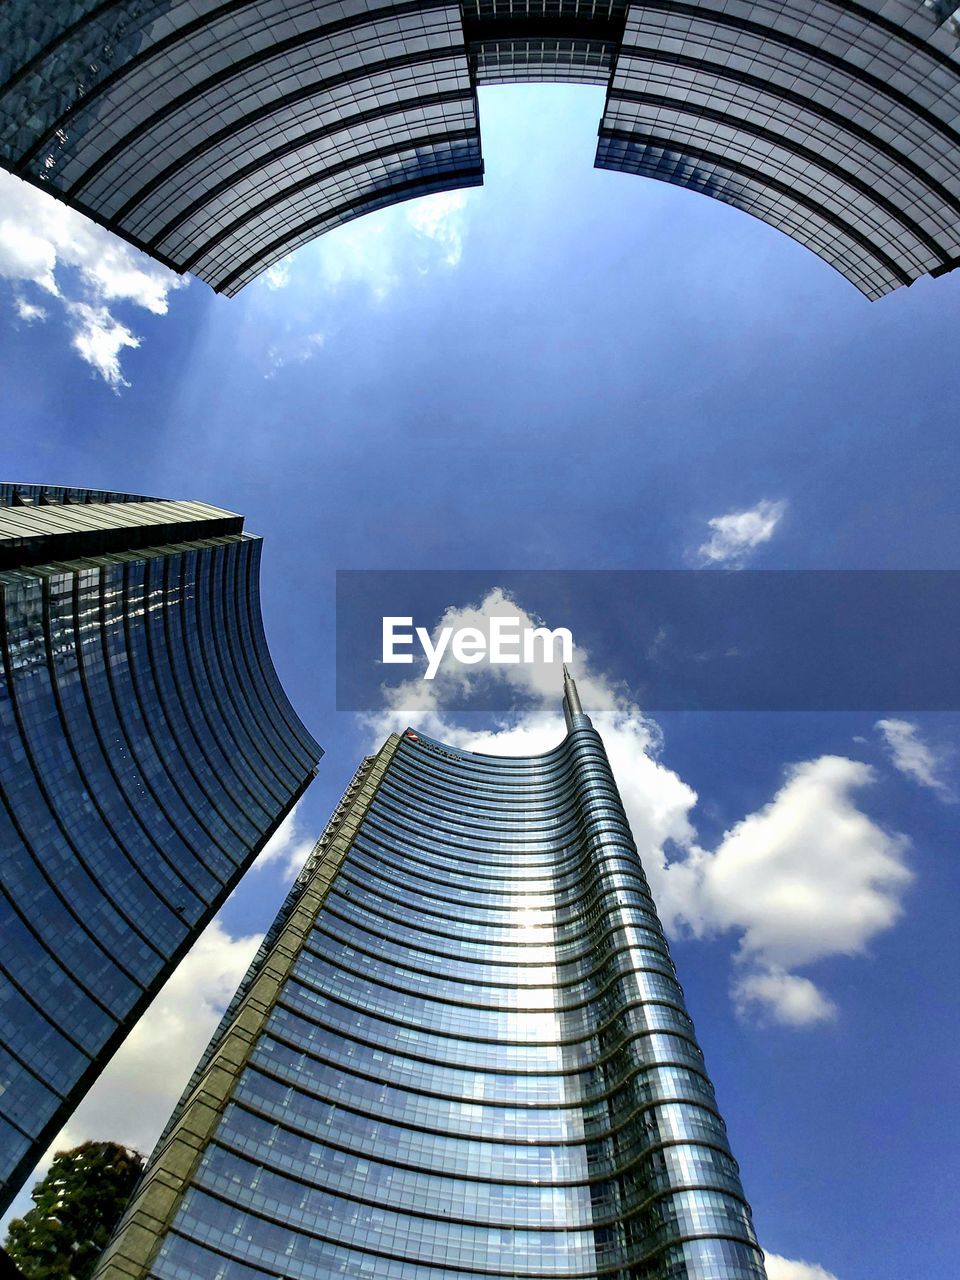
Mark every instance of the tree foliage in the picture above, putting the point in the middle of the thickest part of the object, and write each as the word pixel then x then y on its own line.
pixel 75 1209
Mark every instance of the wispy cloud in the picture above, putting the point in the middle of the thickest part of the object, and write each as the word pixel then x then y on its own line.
pixel 371 257
pixel 806 877
pixel 278 276
pixel 913 757
pixel 294 351
pixel 735 536
pixel 439 219
pixel 100 338
pixel 379 249
pixel 52 250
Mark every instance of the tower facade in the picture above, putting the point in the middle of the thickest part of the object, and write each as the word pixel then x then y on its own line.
pixel 462 1051
pixel 147 753
pixel 219 137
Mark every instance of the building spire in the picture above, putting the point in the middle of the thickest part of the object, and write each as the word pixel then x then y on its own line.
pixel 572 710
pixel 570 692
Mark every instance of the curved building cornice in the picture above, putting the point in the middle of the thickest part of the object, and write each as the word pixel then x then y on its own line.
pixel 219 137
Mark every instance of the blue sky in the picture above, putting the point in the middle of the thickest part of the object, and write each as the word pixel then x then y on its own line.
pixel 582 370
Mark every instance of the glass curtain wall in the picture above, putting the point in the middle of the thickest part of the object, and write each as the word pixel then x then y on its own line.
pixel 147 752
pixel 466 1054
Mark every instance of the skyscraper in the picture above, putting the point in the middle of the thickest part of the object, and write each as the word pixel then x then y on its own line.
pixel 219 137
pixel 147 752
pixel 462 1051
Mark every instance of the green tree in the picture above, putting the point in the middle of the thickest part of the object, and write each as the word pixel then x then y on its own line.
pixel 76 1207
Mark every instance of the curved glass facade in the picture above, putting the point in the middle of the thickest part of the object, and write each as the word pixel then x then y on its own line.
pixel 148 752
pixel 220 136
pixel 834 122
pixel 465 1054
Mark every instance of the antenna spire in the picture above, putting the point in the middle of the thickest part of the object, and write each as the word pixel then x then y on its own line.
pixel 571 697
pixel 572 710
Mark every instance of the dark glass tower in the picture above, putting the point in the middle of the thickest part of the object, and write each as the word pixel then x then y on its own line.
pixel 220 136
pixel 147 752
pixel 462 1052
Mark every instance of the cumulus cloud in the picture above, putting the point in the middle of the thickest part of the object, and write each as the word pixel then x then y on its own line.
pixel 49 248
pixel 911 756
pixel 806 877
pixel 792 1000
pixel 736 535
pixel 289 846
pixel 787 1269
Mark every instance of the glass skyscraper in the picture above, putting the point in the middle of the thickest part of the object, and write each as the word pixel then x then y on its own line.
pixel 147 752
pixel 462 1052
pixel 220 136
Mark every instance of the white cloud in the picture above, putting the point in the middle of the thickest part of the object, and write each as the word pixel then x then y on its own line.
pixel 379 249
pixel 912 756
pixel 372 256
pixel 100 338
pixel 46 245
pixel 290 845
pixel 29 311
pixel 790 999
pixel 737 534
pixel 806 877
pixel 439 218
pixel 26 254
pixel 278 276
pixel 787 1269
pixel 361 252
